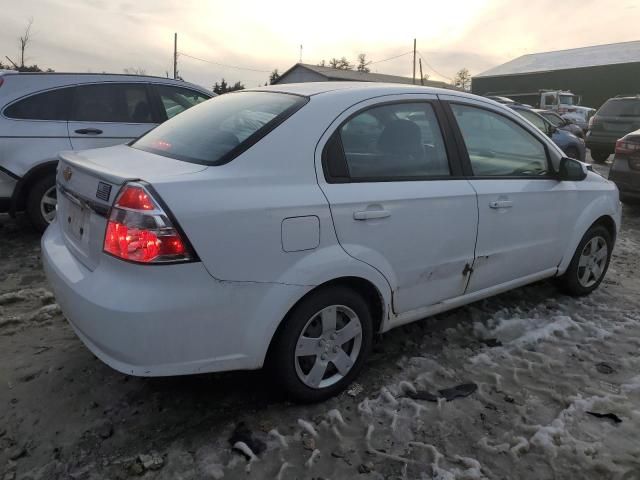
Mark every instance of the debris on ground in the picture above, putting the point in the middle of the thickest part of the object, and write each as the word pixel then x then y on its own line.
pixel 609 416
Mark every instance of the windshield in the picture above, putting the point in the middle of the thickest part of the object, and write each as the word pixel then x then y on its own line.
pixel 621 108
pixel 219 129
pixel 534 118
pixel 566 99
pixel 555 120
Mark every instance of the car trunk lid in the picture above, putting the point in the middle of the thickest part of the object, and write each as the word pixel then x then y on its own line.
pixel 88 183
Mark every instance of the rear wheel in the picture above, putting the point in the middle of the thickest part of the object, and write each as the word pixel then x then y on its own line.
pixel 42 201
pixel 599 156
pixel 323 344
pixel 589 263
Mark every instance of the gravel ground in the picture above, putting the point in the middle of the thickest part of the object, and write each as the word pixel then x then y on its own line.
pixel 540 360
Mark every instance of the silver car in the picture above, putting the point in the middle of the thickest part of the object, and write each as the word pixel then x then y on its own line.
pixel 42 114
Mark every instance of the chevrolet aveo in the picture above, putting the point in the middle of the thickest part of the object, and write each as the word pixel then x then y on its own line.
pixel 286 226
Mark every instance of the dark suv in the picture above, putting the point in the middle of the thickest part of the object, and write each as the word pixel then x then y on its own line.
pixel 617 117
pixel 625 171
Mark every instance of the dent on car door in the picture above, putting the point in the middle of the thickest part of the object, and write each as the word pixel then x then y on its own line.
pixel 524 211
pixel 109 114
pixel 399 203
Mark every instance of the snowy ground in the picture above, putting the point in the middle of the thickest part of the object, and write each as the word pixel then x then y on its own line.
pixel 541 361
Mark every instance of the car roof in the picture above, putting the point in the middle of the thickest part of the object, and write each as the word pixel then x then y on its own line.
pixel 375 88
pixel 19 84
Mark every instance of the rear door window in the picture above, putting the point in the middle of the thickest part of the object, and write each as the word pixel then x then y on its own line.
pixel 397 141
pixel 214 132
pixel 621 108
pixel 51 105
pixel 176 99
pixel 120 103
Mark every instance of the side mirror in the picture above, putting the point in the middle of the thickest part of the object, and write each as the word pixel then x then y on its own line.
pixel 551 129
pixel 571 170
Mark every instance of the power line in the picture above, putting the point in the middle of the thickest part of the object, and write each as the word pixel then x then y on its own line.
pixel 391 58
pixel 223 64
pixel 434 70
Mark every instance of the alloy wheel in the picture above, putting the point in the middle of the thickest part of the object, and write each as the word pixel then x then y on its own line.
pixel 593 261
pixel 328 346
pixel 48 204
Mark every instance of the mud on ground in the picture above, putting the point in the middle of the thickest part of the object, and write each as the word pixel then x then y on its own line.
pixel 541 361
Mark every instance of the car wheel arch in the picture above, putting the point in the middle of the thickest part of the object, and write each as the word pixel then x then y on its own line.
pixel 588 219
pixel 364 287
pixel 21 191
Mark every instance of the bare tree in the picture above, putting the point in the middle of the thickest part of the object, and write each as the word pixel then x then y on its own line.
pixel 462 79
pixel 363 65
pixel 340 63
pixel 25 39
pixel 135 71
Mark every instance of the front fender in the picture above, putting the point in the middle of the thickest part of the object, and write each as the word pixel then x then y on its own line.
pixel 599 206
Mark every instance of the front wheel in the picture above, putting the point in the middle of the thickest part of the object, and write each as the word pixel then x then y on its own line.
pixel 323 344
pixel 589 263
pixel 42 201
pixel 599 157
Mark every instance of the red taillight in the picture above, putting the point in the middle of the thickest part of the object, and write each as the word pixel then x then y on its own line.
pixel 139 230
pixel 135 198
pixel 626 147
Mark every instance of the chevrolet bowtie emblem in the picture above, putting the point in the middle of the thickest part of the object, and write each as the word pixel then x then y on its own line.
pixel 67 173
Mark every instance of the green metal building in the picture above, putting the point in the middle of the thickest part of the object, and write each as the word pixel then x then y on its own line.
pixel 596 73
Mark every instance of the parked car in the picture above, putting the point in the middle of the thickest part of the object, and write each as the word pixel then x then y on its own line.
pixel 44 113
pixel 625 171
pixel 571 145
pixel 580 118
pixel 560 122
pixel 615 118
pixel 285 226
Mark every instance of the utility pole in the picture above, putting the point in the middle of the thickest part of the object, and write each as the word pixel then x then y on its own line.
pixel 300 53
pixel 175 56
pixel 421 76
pixel 414 61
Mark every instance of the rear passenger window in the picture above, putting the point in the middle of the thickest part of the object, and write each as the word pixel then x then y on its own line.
pixel 51 105
pixel 401 141
pixel 176 100
pixel 122 103
pixel 498 146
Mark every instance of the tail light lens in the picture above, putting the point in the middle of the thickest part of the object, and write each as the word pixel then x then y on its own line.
pixel 139 230
pixel 627 147
pixel 592 121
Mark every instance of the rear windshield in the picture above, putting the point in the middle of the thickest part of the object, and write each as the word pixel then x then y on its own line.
pixel 216 131
pixel 621 108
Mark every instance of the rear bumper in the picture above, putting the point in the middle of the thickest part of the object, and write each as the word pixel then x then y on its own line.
pixel 164 319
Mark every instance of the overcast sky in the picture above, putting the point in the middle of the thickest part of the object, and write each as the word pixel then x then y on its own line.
pixel 110 35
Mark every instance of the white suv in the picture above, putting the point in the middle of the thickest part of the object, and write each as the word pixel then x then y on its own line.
pixel 287 225
pixel 44 113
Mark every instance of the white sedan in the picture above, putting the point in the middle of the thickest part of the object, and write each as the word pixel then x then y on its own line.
pixel 286 226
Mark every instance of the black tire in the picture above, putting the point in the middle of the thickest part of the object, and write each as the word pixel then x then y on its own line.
pixel 570 282
pixel 34 197
pixel 599 156
pixel 572 152
pixel 282 360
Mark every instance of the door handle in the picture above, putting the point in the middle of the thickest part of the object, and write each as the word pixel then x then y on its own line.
pixel 371 214
pixel 501 204
pixel 89 131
